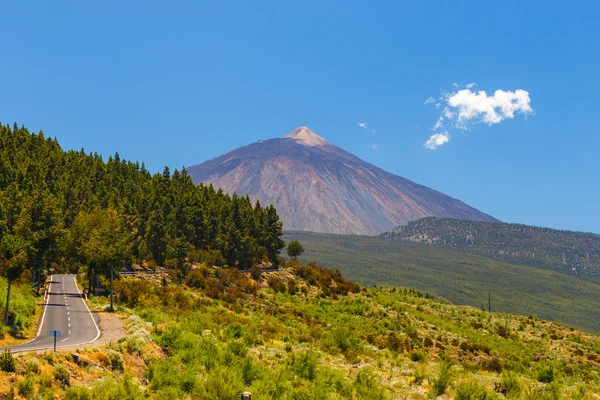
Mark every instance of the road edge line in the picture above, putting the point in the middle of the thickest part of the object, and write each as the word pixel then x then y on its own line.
pixel 91 315
pixel 44 313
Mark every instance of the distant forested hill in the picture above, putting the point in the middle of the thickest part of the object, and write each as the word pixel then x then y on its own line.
pixel 571 253
pixel 457 276
pixel 56 205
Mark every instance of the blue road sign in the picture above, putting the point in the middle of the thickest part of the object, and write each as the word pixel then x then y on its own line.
pixel 55 334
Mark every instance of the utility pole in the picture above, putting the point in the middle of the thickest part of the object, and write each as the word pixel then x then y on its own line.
pixel 490 301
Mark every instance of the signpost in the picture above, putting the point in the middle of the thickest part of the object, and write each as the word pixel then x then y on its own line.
pixel 55 334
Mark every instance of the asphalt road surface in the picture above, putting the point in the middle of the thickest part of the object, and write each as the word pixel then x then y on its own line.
pixel 65 311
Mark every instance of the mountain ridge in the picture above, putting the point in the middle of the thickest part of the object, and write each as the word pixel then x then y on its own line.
pixel 317 186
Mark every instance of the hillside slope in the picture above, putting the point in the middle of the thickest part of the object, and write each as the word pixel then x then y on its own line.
pixel 572 253
pixel 460 277
pixel 316 186
pixel 305 332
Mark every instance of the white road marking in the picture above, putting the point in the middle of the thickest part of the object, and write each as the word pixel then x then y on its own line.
pixel 45 308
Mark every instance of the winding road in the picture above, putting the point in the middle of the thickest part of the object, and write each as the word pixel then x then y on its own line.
pixel 65 311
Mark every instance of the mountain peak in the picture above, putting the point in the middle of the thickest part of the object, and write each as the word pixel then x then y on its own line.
pixel 306 136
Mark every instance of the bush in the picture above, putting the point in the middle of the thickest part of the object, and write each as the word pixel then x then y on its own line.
pixel 345 340
pixel 417 356
pixel 546 374
pixel 492 364
pixel 368 386
pixel 305 365
pixel 111 388
pixel 116 360
pixel 78 393
pixel 440 383
pixel 196 279
pixel 33 365
pixel 471 391
pixel 250 371
pixel 7 362
pixel 276 284
pixel 61 374
pixel 511 384
pixel 503 331
pixel 222 384
pixel 256 273
pixel 25 387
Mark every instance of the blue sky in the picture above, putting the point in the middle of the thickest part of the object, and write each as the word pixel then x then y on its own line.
pixel 177 83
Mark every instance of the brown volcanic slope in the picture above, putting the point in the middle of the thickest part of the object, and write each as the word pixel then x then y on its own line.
pixel 319 187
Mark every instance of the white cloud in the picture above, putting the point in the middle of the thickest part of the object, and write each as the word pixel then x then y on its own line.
pixel 464 108
pixel 475 107
pixel 436 140
pixel 364 126
pixel 373 146
pixel 429 100
pixel 455 84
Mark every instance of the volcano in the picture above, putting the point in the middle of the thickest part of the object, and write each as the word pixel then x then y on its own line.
pixel 316 186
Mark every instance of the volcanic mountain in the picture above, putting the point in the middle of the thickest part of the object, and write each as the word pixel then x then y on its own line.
pixel 319 187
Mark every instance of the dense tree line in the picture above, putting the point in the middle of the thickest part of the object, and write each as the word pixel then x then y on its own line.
pixel 63 209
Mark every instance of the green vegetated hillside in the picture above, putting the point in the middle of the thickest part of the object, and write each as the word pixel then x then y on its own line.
pixel 571 253
pixel 459 277
pixel 305 332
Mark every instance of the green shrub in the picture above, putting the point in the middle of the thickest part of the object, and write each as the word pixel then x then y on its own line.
pixel 250 371
pixel 110 388
pixel 256 273
pixel 368 387
pixel 305 365
pixel 503 332
pixel 44 381
pixel 7 361
pixel 472 391
pixel 492 364
pixel 78 393
pixel 222 383
pixel 511 384
pixel 25 387
pixel 417 356
pixel 546 374
pixel 276 284
pixel 234 330
pixel 61 374
pixel 116 360
pixel 345 340
pixel 33 365
pixel 440 383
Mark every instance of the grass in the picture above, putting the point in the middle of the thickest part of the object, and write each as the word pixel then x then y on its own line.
pixel 459 277
pixel 24 313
